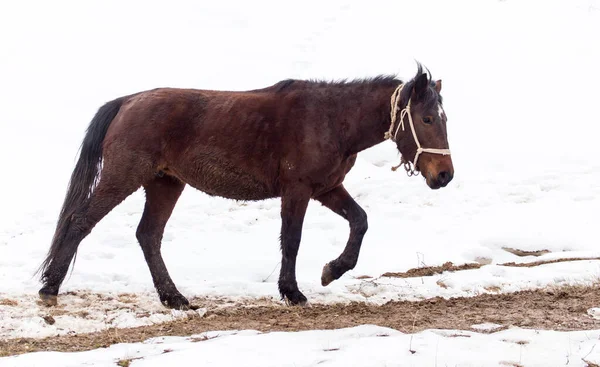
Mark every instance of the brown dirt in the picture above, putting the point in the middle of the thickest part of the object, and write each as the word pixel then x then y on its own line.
pixel 544 262
pixel 562 308
pixel 432 270
pixel 8 302
pixel 523 253
pixel 590 364
pixel 449 266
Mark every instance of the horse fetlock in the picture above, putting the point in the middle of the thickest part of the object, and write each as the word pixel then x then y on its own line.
pixel 290 293
pixel 295 298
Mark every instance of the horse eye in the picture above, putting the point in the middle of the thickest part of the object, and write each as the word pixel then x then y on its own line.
pixel 428 120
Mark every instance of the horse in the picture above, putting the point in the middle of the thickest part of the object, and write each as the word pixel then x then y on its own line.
pixel 295 140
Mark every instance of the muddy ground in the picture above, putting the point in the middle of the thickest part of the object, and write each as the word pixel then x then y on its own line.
pixel 562 308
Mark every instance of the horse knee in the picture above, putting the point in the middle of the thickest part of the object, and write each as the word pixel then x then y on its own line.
pixel 147 240
pixel 144 237
pixel 140 235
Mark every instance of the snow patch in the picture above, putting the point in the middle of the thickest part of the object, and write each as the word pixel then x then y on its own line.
pixel 366 345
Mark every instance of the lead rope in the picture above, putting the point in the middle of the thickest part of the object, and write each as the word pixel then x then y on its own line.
pixel 410 168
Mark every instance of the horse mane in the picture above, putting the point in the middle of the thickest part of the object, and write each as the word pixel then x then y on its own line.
pixel 288 85
pixel 382 80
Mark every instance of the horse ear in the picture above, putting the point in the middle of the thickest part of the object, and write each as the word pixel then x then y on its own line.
pixel 438 86
pixel 421 84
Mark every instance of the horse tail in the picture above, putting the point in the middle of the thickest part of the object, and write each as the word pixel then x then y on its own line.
pixel 85 176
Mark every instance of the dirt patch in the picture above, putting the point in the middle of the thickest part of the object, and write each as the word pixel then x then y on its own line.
pixel 590 364
pixel 510 364
pixel 8 302
pixel 544 262
pixel 126 362
pixel 522 253
pixel 432 270
pixel 449 266
pixel 557 309
pixel 127 298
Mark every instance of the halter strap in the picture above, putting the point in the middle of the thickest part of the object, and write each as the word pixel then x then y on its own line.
pixel 394 100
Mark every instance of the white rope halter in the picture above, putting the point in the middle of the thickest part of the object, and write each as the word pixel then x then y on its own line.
pixel 394 100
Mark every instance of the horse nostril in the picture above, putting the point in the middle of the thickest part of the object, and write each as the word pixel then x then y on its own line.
pixel 444 178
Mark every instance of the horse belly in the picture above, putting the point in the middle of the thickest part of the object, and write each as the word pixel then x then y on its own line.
pixel 225 180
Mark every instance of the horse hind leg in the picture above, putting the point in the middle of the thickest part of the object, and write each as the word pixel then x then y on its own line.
pixel 112 189
pixel 162 194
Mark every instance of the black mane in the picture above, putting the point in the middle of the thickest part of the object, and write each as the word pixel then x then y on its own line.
pixel 298 84
pixel 288 85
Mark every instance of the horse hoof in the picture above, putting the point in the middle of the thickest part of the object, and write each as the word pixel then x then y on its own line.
pixel 177 302
pixel 295 299
pixel 48 300
pixel 327 275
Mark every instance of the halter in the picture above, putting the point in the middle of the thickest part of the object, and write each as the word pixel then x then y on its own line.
pixel 388 135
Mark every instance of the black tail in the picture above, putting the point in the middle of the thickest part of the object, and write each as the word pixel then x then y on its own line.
pixel 85 176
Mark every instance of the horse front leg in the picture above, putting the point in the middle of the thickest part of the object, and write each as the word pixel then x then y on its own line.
pixel 340 202
pixel 293 209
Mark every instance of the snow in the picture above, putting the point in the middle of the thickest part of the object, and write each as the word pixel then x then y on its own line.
pixel 365 345
pixel 594 312
pixel 519 87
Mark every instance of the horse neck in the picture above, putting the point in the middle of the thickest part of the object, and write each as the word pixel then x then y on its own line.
pixel 368 119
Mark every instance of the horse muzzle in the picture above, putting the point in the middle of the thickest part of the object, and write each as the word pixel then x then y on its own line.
pixel 442 179
pixel 437 170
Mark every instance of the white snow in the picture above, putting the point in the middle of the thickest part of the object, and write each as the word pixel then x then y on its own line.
pixel 594 312
pixel 366 345
pixel 520 92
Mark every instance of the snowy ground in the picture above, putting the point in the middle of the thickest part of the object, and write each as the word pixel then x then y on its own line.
pixel 520 87
pixel 365 345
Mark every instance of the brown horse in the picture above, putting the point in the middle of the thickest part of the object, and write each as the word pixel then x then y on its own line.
pixel 296 140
